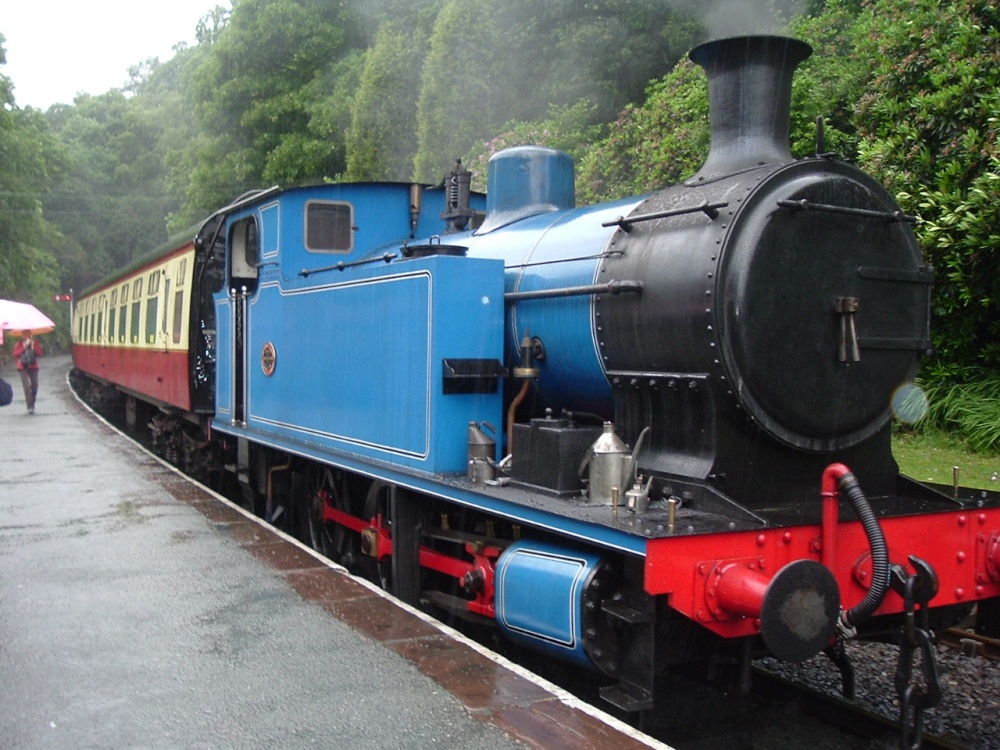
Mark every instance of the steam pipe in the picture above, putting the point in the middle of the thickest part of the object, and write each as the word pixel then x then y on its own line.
pixel 612 287
pixel 526 371
pixel 269 505
pixel 837 477
pixel 512 413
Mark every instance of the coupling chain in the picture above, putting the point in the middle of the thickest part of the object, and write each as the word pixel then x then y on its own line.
pixel 916 641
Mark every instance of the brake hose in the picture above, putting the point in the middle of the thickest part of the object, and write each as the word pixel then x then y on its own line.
pixel 848 484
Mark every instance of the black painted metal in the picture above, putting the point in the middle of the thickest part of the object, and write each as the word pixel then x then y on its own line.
pixel 731 351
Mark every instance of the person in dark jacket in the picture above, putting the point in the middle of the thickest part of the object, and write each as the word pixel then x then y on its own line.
pixel 26 352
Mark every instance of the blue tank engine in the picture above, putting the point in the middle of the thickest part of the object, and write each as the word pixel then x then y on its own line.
pixel 622 433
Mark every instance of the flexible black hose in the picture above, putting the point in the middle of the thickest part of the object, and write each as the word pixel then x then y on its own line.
pixel 880 552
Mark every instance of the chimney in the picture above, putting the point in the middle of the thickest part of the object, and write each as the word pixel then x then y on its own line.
pixel 749 94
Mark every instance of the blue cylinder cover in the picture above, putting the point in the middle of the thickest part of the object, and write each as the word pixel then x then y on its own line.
pixel 539 594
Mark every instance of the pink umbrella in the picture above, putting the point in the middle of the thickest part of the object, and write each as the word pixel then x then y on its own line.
pixel 20 316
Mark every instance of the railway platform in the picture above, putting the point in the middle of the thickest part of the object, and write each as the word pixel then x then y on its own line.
pixel 141 610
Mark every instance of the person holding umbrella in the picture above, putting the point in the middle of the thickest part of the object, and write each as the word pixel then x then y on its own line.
pixel 20 316
pixel 26 352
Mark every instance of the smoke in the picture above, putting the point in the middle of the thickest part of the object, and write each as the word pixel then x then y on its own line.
pixel 723 18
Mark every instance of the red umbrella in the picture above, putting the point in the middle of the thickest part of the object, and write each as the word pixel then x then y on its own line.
pixel 20 316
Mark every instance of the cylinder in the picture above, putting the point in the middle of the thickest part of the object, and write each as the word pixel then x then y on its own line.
pixel 539 594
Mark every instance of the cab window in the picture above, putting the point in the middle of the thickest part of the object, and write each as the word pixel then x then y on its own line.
pixel 329 227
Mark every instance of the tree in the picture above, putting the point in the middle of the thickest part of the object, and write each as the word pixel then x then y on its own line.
pixel 461 91
pixel 513 61
pixel 928 127
pixel 654 145
pixel 253 96
pixel 666 139
pixel 33 161
pixel 112 205
pixel 556 52
pixel 382 136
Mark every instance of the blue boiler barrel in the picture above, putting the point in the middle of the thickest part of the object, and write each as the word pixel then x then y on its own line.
pixel 548 244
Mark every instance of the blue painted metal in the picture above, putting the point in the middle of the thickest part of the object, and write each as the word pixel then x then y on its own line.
pixel 539 595
pixel 525 181
pixel 539 514
pixel 366 376
pixel 359 349
pixel 553 250
pixel 546 243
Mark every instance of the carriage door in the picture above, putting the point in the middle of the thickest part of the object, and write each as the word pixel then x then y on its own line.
pixel 243 283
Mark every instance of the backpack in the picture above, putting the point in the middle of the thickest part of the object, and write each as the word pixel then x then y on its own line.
pixel 28 358
pixel 6 392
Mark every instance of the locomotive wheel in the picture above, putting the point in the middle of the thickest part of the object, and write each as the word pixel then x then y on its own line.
pixel 378 502
pixel 332 540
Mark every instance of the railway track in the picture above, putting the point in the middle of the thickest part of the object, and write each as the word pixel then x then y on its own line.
pixel 971 643
pixel 833 711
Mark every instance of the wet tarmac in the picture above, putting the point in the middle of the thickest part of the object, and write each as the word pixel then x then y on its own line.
pixel 140 610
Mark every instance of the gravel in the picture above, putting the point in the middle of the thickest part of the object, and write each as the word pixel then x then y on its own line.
pixel 969 711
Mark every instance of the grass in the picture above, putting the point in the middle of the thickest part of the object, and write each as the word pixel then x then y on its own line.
pixel 931 456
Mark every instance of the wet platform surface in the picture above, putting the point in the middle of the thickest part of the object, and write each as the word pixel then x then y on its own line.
pixel 138 609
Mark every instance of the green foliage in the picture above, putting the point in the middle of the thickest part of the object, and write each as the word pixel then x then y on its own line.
pixel 666 139
pixel 556 52
pixel 970 410
pixel 830 81
pixel 654 145
pixel 111 204
pixel 960 234
pixel 569 129
pixel 928 127
pixel 492 63
pixel 31 161
pixel 254 98
pixel 457 100
pixel 382 136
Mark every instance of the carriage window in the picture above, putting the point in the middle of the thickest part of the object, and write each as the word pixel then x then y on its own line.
pixel 151 310
pixel 101 305
pixel 121 324
pixel 124 293
pixel 137 289
pixel 154 283
pixel 111 324
pixel 178 315
pixel 134 328
pixel 182 272
pixel 329 227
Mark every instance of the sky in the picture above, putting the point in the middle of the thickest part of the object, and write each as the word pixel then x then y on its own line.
pixel 59 48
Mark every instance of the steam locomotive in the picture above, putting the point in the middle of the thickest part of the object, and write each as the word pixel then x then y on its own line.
pixel 628 435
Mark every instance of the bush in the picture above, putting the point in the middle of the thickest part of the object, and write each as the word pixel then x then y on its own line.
pixel 569 129
pixel 970 410
pixel 928 130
